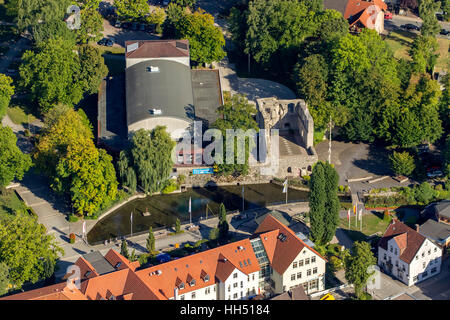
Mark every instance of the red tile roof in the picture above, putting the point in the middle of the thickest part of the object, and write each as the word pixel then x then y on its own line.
pixel 284 252
pixel 210 262
pixel 158 49
pixel 55 292
pixel 86 269
pixel 114 258
pixel 362 11
pixel 402 234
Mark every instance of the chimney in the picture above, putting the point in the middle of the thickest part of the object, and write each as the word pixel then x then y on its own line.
pixel 417 227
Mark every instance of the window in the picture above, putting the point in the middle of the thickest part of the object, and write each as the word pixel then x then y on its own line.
pixel 313 259
pixel 385 256
pixel 235 296
pixel 423 265
pixel 292 277
pixel 294 265
pixel 415 279
pixel 433 270
pixel 182 297
pixel 207 290
pixel 235 285
pixel 181 286
pixel 429 252
pixel 423 254
pixel 242 294
pixel 242 284
pixel 291 107
pixel 253 277
pixel 229 288
pixel 314 270
pixel 192 283
pixel 193 295
pixel 396 263
pixel 308 273
pixel 300 263
pixel 417 257
pixel 235 275
pixel 424 274
pixel 306 261
pixel 299 275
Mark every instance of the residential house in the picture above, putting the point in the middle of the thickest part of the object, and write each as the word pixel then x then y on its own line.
pixel 407 255
pixel 438 232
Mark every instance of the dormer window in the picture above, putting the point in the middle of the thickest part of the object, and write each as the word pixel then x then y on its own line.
pixel 192 283
pixel 87 274
pixel 206 278
pixel 118 264
pixel 181 286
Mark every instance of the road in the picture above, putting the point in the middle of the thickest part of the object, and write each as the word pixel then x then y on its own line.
pixel 398 20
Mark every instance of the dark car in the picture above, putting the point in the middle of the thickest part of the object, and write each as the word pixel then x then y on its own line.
pixel 134 26
pixel 125 25
pixel 106 42
pixel 444 32
pixel 410 26
pixel 142 27
pixel 117 24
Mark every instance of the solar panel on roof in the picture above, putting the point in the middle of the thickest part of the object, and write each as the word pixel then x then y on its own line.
pixel 181 45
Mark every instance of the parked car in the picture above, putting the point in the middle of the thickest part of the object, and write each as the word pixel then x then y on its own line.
pixel 106 42
pixel 125 25
pixel 151 28
pixel 117 24
pixel 410 26
pixel 388 15
pixel 422 148
pixel 134 26
pixel 434 174
pixel 444 32
pixel 142 27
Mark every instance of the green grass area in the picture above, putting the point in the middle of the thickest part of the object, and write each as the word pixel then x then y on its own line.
pixel 371 224
pixel 318 135
pixel 10 203
pixel 400 42
pixel 19 116
pixel 109 50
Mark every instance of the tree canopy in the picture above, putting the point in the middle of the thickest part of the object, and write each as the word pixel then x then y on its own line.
pixel 13 163
pixel 357 266
pixel 6 91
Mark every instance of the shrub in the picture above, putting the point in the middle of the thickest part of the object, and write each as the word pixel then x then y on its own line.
pixel 171 187
pixel 143 258
pixel 424 193
pixel 214 234
pixel 72 238
pixel 336 263
pixel 181 179
pixel 73 218
pixel 402 163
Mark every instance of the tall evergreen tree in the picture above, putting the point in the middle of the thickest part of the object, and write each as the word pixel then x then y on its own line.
pixel 331 216
pixel 177 226
pixel 151 241
pixel 124 249
pixel 223 223
pixel 317 203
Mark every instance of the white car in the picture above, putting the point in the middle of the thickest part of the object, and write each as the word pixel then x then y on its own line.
pixel 434 174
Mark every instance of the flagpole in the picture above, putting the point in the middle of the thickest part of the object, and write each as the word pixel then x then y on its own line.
pixel 131 223
pixel 190 211
pixel 356 216
pixel 287 189
pixel 243 199
pixel 360 220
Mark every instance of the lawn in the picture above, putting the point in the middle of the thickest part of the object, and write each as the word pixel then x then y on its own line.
pixel 10 203
pixel 371 224
pixel 19 116
pixel 400 42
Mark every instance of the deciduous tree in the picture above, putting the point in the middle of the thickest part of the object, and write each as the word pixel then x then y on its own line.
pixel 6 91
pixel 402 163
pixel 357 266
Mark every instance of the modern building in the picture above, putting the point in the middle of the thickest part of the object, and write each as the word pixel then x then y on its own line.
pixel 158 87
pixel 273 261
pixel 161 88
pixel 360 14
pixel 407 255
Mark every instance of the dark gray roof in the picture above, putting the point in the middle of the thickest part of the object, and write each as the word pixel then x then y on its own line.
pixel 207 94
pixel 434 210
pixel 283 217
pixel 338 5
pixel 98 261
pixel 295 293
pixel 169 90
pixel 438 231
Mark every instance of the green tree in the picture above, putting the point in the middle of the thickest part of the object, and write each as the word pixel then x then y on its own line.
pixel 151 157
pixel 150 241
pixel 124 249
pixel 427 12
pixel 423 53
pixel 52 29
pixel 317 201
pixel 206 41
pixel 92 68
pixel 6 91
pixel 402 163
pixel 133 255
pixel 134 9
pixel 356 266
pixel 26 248
pixel 185 3
pixel 157 16
pixel 177 226
pixel 236 114
pixel 50 74
pixel 13 163
pixel 424 193
pixel 4 278
pixel 91 24
pixel 223 223
pixel 446 155
pixel 67 155
pixel 332 204
pixel 214 234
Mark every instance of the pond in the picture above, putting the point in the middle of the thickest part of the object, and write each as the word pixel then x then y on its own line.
pixel 205 202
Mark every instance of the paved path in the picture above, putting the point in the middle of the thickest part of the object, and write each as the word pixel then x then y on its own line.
pixel 14 52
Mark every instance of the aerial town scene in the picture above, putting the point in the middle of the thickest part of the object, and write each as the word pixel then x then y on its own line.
pixel 228 150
